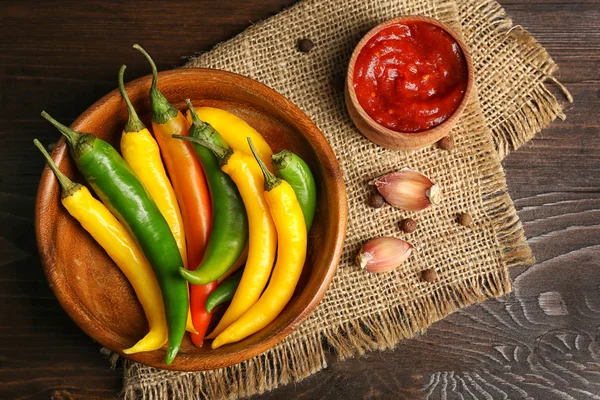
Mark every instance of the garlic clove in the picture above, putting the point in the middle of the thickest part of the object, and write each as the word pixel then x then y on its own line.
pixel 408 190
pixel 383 254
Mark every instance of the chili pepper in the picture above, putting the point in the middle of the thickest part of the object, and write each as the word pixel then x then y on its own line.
pixel 121 248
pixel 234 130
pixel 240 262
pixel 183 167
pixel 229 227
pixel 230 223
pixel 200 317
pixel 141 152
pixel 200 297
pixel 125 196
pixel 262 242
pixel 291 168
pixel 224 292
pixel 190 188
pixel 291 254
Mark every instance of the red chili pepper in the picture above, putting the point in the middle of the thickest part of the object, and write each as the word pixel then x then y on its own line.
pixel 200 317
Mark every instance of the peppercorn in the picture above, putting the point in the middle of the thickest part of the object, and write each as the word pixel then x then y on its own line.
pixel 375 200
pixel 305 45
pixel 464 219
pixel 408 225
pixel 429 275
pixel 446 143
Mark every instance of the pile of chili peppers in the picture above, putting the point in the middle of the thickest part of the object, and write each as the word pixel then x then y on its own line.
pixel 182 209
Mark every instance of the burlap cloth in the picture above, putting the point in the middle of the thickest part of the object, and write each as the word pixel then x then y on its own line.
pixel 362 311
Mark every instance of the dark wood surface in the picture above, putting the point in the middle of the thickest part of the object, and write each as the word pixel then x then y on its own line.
pixel 541 342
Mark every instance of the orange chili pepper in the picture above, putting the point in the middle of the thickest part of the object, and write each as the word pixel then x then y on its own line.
pixel 190 188
pixel 189 185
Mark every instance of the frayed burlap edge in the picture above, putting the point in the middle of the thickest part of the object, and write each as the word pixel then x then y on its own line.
pixel 541 107
pixel 279 366
pixel 306 355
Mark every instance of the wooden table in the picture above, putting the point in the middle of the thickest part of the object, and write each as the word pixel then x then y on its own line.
pixel 541 341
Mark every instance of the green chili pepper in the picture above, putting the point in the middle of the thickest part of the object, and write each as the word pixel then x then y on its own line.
pixel 291 168
pixel 124 195
pixel 229 221
pixel 224 292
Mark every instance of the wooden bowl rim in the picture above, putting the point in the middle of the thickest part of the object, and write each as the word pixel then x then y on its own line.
pixel 429 136
pixel 332 177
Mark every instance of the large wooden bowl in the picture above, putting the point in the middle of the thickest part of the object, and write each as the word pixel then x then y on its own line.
pixel 96 294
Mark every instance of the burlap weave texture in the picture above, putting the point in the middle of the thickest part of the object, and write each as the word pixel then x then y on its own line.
pixel 361 311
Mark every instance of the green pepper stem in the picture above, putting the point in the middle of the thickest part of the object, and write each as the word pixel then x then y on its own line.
pixel 271 181
pixel 78 143
pixel 281 159
pixel 68 187
pixel 70 134
pixel 152 64
pixel 195 120
pixel 133 123
pixel 221 153
pixel 162 110
pixel 203 130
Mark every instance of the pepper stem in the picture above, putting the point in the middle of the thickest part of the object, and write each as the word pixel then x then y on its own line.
pixel 271 181
pixel 221 153
pixel 203 130
pixel 70 134
pixel 281 159
pixel 195 120
pixel 78 143
pixel 162 110
pixel 68 186
pixel 133 123
pixel 152 64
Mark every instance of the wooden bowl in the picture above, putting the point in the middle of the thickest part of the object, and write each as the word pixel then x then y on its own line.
pixel 91 288
pixel 399 140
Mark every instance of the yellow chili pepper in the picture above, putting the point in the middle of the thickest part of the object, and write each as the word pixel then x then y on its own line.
pixel 262 237
pixel 122 249
pixel 291 235
pixel 262 243
pixel 234 130
pixel 142 153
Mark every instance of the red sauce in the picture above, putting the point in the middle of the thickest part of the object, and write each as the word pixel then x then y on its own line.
pixel 410 77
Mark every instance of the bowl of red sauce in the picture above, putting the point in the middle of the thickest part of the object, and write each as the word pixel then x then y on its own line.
pixel 408 82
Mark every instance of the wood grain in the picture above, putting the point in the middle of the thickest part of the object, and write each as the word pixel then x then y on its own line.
pixel 65 56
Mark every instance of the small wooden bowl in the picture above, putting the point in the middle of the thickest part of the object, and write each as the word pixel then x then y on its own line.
pixel 399 140
pixel 96 294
